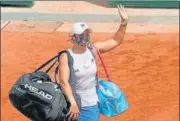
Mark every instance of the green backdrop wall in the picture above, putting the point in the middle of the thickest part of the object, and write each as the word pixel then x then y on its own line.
pixel 17 2
pixel 146 3
pixel 110 3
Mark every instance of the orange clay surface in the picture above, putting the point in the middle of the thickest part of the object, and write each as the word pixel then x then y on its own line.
pixel 145 66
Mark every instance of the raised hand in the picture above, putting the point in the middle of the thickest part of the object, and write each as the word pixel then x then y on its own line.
pixel 123 14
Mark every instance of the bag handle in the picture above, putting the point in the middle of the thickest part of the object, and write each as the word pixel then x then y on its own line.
pixel 103 64
pixel 56 73
pixel 46 63
pixel 50 60
pixel 91 47
pixel 51 67
pixel 70 64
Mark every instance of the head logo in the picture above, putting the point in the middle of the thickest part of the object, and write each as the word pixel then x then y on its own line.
pixel 37 91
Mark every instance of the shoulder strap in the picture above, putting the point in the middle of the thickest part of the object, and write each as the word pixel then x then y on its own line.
pixel 70 64
pixel 92 52
pixel 72 78
pixel 46 63
pixel 103 64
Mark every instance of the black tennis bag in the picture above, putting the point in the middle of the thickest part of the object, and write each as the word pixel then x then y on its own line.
pixel 37 97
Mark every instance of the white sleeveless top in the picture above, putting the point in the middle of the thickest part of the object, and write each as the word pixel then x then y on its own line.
pixel 85 74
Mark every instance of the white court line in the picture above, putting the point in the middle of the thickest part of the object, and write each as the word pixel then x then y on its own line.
pixel 4 24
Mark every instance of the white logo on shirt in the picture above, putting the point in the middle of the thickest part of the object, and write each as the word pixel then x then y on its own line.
pixel 86 66
pixel 77 70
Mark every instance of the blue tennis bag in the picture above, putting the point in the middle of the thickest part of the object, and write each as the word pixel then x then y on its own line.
pixel 112 101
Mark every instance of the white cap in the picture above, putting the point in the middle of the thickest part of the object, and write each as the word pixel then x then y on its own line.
pixel 79 28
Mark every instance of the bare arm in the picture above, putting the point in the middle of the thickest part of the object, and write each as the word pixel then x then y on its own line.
pixel 64 77
pixel 64 81
pixel 116 40
pixel 118 37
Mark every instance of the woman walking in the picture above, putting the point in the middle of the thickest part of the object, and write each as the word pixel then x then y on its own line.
pixel 85 69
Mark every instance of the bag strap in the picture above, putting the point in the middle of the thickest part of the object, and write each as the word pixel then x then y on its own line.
pixel 102 62
pixel 46 63
pixel 49 61
pixel 92 52
pixel 51 67
pixel 56 73
pixel 72 78
pixel 104 66
pixel 70 64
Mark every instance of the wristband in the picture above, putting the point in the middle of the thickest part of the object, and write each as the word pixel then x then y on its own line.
pixel 124 23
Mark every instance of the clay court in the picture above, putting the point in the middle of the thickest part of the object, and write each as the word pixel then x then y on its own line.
pixel 145 66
